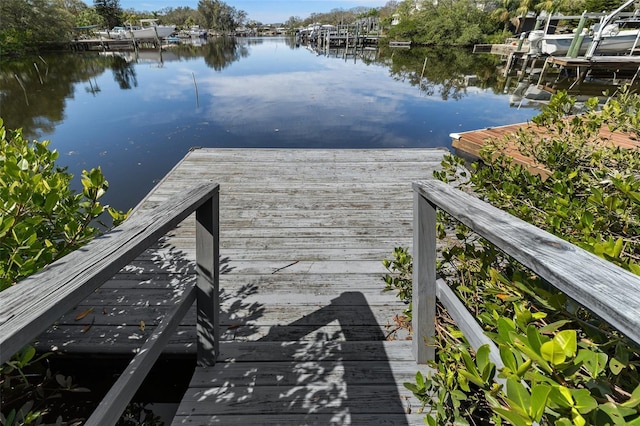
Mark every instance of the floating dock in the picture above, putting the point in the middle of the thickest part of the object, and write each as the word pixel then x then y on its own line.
pixel 469 144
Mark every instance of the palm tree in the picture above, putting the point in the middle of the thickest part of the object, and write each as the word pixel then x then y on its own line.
pixel 505 12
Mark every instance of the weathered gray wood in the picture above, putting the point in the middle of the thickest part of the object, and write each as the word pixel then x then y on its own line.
pixel 362 419
pixel 302 399
pixel 234 311
pixel 291 373
pixel 468 325
pixel 284 300
pixel 600 286
pixel 116 400
pixel 208 280
pixel 123 336
pixel 265 265
pixel 311 283
pixel 424 280
pixel 326 350
pixel 30 307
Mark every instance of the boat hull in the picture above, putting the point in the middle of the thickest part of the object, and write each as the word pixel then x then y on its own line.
pixel 149 33
pixel 558 44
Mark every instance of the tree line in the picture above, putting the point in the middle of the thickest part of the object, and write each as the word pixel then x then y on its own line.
pixel 468 22
pixel 31 24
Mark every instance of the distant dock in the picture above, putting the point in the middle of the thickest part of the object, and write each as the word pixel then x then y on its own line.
pixel 103 45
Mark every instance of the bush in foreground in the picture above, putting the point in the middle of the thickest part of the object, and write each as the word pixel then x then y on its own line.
pixel 562 365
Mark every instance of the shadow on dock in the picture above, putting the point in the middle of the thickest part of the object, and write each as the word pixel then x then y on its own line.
pixel 299 374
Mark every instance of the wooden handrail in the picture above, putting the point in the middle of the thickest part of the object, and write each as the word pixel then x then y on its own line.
pixel 30 307
pixel 605 289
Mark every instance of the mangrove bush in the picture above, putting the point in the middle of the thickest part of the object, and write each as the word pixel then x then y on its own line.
pixel 562 365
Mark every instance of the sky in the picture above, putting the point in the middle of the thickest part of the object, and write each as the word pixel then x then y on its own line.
pixel 265 11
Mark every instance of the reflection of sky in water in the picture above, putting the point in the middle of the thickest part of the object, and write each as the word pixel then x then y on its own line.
pixel 275 97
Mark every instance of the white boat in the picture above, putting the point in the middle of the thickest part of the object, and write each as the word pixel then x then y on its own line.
pixel 605 38
pixel 614 41
pixel 116 33
pixel 196 31
pixel 149 29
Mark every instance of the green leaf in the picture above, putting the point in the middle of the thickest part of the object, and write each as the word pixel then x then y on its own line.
pixel 51 201
pixel 524 367
pixel 534 338
pixel 584 402
pixel 505 328
pixel 23 164
pixel 567 340
pixel 482 357
pixel 593 362
pixel 552 352
pixel 11 417
pixel 561 396
pixel 616 413
pixel 513 418
pixel 27 355
pixel 517 393
pixel 634 400
pixel 554 326
pixel 539 360
pixel 508 358
pixel 539 396
pixel 473 378
pixel 618 247
pixel 468 363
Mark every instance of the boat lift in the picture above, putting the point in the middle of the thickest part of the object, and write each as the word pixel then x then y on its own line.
pixel 605 21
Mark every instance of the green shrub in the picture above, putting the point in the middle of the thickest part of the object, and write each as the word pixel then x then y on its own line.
pixel 562 365
pixel 41 218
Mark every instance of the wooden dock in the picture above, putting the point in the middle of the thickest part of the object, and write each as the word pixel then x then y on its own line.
pixel 108 45
pixel 469 144
pixel 308 336
pixel 574 74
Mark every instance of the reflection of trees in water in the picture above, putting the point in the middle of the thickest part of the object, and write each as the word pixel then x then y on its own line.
pixel 47 85
pixel 447 73
pixel 124 72
pixel 291 42
pixel 222 52
pixel 41 105
pixel 218 53
pixel 445 70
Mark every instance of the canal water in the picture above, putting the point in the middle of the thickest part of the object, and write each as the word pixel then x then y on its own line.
pixel 136 115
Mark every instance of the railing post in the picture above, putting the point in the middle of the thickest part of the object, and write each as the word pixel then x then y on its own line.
pixel 208 280
pixel 424 278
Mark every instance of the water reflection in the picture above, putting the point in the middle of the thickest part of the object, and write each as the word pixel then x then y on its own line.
pixel 137 113
pixel 444 72
pixel 225 51
pixel 34 97
pixel 123 73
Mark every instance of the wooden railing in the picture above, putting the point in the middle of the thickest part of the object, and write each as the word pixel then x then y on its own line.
pixel 605 289
pixel 30 307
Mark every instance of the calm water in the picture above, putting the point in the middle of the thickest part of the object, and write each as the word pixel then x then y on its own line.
pixel 137 116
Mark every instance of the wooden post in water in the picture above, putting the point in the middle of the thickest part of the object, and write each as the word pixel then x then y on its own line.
pixel 208 280
pixel 424 279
